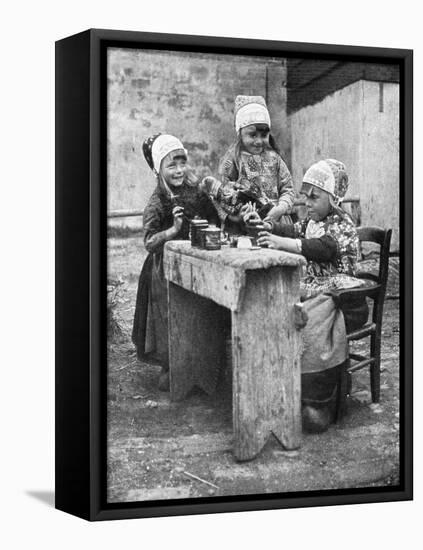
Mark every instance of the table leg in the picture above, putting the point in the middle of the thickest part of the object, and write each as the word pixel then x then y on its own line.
pixel 196 342
pixel 266 353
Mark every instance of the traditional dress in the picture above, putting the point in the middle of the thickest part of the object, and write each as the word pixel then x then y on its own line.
pixel 150 328
pixel 261 178
pixel 264 178
pixel 331 247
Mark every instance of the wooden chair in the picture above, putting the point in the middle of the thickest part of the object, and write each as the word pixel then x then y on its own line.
pixel 375 290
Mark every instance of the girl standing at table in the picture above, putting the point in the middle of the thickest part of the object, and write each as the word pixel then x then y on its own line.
pixel 175 201
pixel 328 239
pixel 252 169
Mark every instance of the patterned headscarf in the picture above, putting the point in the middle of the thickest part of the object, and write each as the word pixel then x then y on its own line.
pixel 250 109
pixel 156 147
pixel 341 178
pixel 329 175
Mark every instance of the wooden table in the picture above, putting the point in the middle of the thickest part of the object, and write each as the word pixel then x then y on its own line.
pixel 260 288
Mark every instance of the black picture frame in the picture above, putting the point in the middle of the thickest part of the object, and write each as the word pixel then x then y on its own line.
pixel 81 179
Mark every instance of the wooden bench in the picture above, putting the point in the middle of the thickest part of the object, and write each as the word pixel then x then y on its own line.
pixel 260 288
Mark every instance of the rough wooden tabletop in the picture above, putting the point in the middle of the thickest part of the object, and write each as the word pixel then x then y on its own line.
pixel 245 259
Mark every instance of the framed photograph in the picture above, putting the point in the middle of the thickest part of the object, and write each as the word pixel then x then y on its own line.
pixel 233 274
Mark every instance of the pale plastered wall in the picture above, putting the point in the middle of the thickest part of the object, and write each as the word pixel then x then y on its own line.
pixel 358 125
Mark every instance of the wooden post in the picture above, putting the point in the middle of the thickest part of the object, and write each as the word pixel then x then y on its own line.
pixel 196 342
pixel 266 353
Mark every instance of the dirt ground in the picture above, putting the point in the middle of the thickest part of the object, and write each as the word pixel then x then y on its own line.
pixel 156 446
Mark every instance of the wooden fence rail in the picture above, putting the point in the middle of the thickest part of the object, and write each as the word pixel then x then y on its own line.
pixel 132 213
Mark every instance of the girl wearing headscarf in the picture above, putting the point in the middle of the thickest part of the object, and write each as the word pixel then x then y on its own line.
pixel 328 239
pixel 252 169
pixel 174 202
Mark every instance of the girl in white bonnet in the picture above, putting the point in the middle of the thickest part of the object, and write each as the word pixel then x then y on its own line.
pixel 252 169
pixel 328 239
pixel 175 201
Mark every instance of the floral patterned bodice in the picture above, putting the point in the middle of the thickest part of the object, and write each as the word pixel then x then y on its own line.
pixel 343 231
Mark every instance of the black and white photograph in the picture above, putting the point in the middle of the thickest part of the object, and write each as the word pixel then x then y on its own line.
pixel 253 274
pixel 209 225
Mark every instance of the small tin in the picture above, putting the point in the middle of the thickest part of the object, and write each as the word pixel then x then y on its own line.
pixel 211 238
pixel 253 232
pixel 196 225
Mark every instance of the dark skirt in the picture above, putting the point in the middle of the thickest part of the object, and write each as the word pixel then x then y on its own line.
pixel 150 328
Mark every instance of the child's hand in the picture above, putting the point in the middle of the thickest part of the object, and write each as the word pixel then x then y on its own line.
pixel 269 240
pixel 210 186
pixel 177 213
pixel 246 209
pixel 268 224
pixel 252 217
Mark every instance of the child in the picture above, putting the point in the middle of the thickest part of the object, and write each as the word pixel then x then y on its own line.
pixel 328 239
pixel 174 202
pixel 252 168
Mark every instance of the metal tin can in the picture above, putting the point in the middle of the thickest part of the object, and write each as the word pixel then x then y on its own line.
pixel 196 226
pixel 253 232
pixel 211 238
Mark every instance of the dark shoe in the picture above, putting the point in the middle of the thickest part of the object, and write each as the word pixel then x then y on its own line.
pixel 164 384
pixel 316 420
